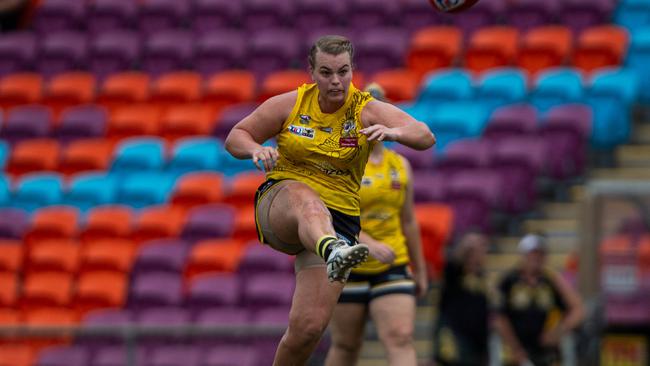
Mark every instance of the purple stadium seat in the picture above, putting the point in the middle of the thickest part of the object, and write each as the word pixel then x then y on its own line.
pixel 230 116
pixel 156 289
pixel 209 222
pixel 17 52
pixel 312 14
pixel 216 290
pixel 528 14
pixel 62 51
pixel 367 14
pixel 26 122
pixel 268 289
pixel 627 309
pixel 13 223
pixel 175 355
pixel 232 356
pixel 464 154
pixel 216 14
pixel 167 51
pixel 164 317
pixel 418 14
pixel 270 317
pixel 313 34
pixel 480 184
pixel 263 14
pixel 581 14
pixel 108 317
pixel 519 160
pixel 57 15
pixel 114 51
pixel 258 258
pixel 107 15
pixel 271 50
pixel 512 120
pixel 156 15
pixel 381 48
pixel 117 356
pixel 419 160
pixel 85 121
pixel 218 50
pixel 63 356
pixel 566 130
pixel 163 255
pixel 484 13
pixel 429 186
pixel 223 316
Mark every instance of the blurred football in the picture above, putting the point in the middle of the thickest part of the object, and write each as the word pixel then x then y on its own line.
pixel 452 6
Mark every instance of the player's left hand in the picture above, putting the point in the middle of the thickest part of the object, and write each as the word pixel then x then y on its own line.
pixel 381 133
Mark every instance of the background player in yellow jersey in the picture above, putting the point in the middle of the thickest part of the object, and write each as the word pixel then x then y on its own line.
pixel 383 287
pixel 309 206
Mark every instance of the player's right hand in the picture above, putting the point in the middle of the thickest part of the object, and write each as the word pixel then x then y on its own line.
pixel 381 252
pixel 265 158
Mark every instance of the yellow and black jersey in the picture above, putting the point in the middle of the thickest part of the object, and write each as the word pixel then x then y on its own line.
pixel 325 150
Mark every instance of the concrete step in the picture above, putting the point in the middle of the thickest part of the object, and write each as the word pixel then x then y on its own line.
pixel 630 156
pixel 641 133
pixel 577 193
pixel 554 227
pixel 561 210
pixel 625 173
pixel 374 351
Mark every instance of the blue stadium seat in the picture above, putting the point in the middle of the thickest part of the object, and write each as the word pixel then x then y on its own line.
pixel 196 154
pixel 4 152
pixel 139 155
pixel 89 190
pixel 4 190
pixel 446 85
pixel 457 120
pixel 633 14
pixel 38 190
pixel 557 86
pixel 144 189
pixel 610 126
pixel 502 86
pixel 615 83
pixel 638 59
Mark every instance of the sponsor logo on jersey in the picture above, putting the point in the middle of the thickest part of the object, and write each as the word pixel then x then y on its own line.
pixel 304 119
pixel 326 129
pixel 302 131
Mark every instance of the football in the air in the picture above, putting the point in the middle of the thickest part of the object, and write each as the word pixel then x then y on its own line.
pixel 452 6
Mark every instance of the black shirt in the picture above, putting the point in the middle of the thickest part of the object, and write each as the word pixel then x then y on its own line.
pixel 528 307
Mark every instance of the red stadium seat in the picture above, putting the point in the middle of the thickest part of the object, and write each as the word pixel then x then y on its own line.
pixel 545 47
pixel 108 255
pixel 245 227
pixel 359 79
pixel 34 155
pixel 187 120
pixel 197 189
pixel 21 88
pixel 176 88
pixel 57 255
pixel 221 255
pixel 54 222
pixel 16 354
pixel 125 88
pixel 242 188
pixel 229 87
pixel 69 89
pixel 107 222
pixel 400 85
pixel 100 289
pixel 85 155
pixel 491 47
pixel 46 289
pixel 436 221
pixel 8 289
pixel 434 48
pixel 601 46
pixel 9 317
pixel 134 120
pixel 50 316
pixel 11 255
pixel 158 222
pixel 281 82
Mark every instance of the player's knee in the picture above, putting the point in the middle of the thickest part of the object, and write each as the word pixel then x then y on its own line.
pixel 348 346
pixel 307 329
pixel 399 336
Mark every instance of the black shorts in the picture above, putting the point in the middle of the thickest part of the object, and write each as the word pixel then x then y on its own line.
pixel 453 348
pixel 347 227
pixel 363 289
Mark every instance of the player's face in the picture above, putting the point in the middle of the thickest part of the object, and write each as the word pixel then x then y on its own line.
pixel 534 261
pixel 332 74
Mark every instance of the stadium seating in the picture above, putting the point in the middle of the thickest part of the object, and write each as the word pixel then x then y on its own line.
pixel 18 52
pixel 20 88
pixel 545 47
pixel 433 48
pixel 113 51
pixel 82 122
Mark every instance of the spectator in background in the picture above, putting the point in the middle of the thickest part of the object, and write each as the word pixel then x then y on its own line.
pixel 461 334
pixel 11 14
pixel 535 308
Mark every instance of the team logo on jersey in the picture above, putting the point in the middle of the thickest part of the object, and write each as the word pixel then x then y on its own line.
pixel 302 131
pixel 326 129
pixel 304 119
pixel 394 179
pixel 365 181
pixel 348 135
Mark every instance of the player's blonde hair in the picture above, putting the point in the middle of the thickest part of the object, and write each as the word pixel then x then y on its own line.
pixel 332 45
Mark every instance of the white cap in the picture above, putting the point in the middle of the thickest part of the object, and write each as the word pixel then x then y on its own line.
pixel 531 242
